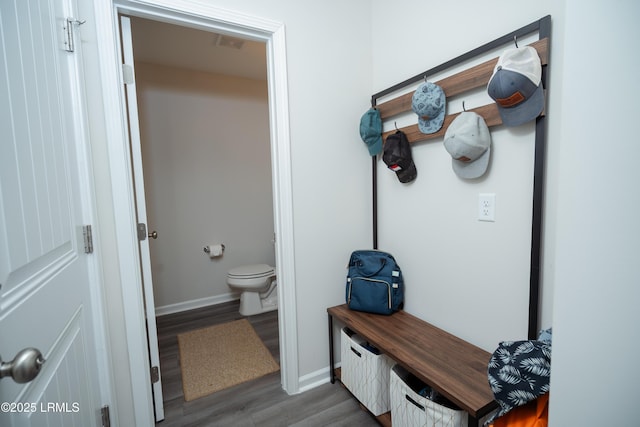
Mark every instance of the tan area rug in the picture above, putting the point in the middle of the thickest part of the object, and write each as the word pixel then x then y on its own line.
pixel 221 356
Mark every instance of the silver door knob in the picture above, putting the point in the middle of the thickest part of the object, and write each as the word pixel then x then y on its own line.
pixel 24 367
pixel 153 235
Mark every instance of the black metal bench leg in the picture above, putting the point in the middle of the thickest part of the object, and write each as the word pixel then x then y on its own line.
pixel 332 370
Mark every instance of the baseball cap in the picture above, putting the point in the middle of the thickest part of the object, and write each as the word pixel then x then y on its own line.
pixel 429 103
pixel 371 131
pixel 397 156
pixel 468 141
pixel 516 85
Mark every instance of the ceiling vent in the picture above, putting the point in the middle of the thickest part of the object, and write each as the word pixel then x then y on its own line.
pixel 228 41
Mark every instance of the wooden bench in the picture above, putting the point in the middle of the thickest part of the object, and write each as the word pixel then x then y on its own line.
pixel 453 367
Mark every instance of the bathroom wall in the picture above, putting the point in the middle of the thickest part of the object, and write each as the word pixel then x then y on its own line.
pixel 207 171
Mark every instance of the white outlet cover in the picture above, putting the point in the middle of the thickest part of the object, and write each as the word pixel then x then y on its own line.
pixel 487 207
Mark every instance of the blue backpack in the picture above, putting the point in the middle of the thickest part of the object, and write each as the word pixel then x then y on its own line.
pixel 374 282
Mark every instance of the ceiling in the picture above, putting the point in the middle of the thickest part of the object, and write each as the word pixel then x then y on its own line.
pixel 172 45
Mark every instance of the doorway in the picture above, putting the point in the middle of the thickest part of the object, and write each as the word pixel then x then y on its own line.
pixel 209 18
pixel 204 135
pixel 203 119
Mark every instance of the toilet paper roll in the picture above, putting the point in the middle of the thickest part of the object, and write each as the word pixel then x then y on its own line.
pixel 214 250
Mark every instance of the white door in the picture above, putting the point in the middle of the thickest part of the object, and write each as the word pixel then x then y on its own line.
pixel 144 234
pixel 46 288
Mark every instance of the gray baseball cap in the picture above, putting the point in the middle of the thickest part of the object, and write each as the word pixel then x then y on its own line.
pixel 516 86
pixel 468 141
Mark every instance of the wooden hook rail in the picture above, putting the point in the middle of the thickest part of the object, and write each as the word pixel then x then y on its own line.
pixel 456 84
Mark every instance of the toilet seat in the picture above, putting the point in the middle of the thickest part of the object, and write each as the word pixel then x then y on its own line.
pixel 255 271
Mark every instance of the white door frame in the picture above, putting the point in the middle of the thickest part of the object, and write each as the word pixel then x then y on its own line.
pixel 207 17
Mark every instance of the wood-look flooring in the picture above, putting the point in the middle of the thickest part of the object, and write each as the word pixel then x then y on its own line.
pixel 261 402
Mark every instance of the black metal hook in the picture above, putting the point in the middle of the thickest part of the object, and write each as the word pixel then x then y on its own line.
pixel 515 40
pixel 463 107
pixel 396 125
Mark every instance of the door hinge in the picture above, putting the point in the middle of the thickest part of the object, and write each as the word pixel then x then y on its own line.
pixel 104 412
pixel 155 374
pixel 142 231
pixel 127 74
pixel 67 30
pixel 87 236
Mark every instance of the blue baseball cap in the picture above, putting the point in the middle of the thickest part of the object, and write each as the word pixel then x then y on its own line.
pixel 429 103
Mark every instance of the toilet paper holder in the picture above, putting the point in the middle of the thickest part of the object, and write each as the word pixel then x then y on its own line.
pixel 207 249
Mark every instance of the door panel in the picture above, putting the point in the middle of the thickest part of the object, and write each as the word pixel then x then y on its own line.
pixel 141 210
pixel 45 293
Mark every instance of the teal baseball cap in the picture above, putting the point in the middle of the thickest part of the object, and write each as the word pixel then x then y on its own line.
pixel 371 131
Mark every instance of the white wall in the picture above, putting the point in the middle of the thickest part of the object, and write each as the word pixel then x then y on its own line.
pixel 329 70
pixel 589 278
pixel 336 60
pixel 471 278
pixel 207 166
pixel 595 370
pixel 329 84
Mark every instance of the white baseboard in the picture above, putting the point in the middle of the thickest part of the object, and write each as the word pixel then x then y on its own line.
pixel 198 303
pixel 314 379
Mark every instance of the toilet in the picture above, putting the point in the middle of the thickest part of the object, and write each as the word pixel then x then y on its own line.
pixel 258 287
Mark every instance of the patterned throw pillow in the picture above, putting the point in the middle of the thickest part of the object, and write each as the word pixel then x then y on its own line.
pixel 519 372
